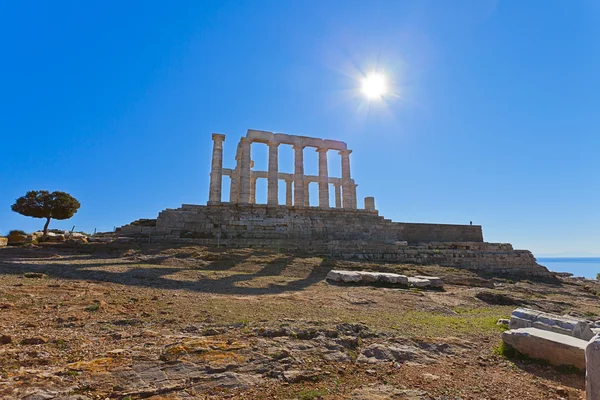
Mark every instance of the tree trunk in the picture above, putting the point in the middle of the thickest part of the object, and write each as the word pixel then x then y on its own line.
pixel 46 227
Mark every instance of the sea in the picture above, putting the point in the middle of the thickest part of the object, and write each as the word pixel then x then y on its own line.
pixel 587 267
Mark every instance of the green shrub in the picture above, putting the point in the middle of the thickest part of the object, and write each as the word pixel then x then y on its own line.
pixel 17 232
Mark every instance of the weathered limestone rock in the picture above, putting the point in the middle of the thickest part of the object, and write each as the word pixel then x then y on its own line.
pixel 526 318
pixel 344 276
pixel 419 282
pixel 592 369
pixel 3 241
pixel 556 348
pixel 434 281
pixel 366 277
pixel 369 277
pixel 393 278
pixel 16 238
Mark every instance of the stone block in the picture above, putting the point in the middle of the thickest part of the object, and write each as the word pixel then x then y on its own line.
pixel 570 326
pixel 393 278
pixel 344 276
pixel 368 277
pixel 418 282
pixel 556 348
pixel 3 241
pixel 433 280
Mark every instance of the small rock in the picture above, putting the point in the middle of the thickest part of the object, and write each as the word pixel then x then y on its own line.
pixel 503 321
pixel 295 376
pixel 34 340
pixel 5 339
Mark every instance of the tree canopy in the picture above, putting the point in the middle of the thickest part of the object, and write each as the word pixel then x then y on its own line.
pixel 43 204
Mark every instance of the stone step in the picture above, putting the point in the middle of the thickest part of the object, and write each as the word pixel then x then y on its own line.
pixel 556 348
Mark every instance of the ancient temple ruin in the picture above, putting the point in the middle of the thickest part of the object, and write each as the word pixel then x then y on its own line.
pixel 341 230
pixel 243 178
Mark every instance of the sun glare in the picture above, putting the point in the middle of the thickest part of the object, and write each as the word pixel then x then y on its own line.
pixel 374 85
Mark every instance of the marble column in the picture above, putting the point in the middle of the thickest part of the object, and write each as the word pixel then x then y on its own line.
pixel 353 201
pixel 273 172
pixel 306 193
pixel 253 189
pixel 288 193
pixel 299 176
pixel 338 195
pixel 216 171
pixel 370 203
pixel 245 171
pixel 234 189
pixel 346 179
pixel 323 179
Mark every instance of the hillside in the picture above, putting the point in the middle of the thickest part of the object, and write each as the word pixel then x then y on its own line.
pixel 130 321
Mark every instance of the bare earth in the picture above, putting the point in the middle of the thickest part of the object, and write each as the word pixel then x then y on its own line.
pixel 131 321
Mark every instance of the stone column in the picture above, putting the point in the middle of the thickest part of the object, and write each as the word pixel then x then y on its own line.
pixel 273 172
pixel 299 176
pixel 234 190
pixel 323 179
pixel 253 189
pixel 216 171
pixel 245 171
pixel 306 194
pixel 370 203
pixel 338 195
pixel 354 202
pixel 288 193
pixel 346 179
pixel 592 369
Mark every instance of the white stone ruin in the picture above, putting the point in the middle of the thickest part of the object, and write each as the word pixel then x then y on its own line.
pixel 384 277
pixel 243 178
pixel 560 340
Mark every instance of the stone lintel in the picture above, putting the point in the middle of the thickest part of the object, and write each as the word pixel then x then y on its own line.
pixel 260 136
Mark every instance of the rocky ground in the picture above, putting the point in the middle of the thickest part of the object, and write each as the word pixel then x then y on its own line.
pixel 132 321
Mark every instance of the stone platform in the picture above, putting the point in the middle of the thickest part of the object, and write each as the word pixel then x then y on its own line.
pixel 341 233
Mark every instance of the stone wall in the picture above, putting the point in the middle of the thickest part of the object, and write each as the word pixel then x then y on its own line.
pixel 255 221
pixel 351 234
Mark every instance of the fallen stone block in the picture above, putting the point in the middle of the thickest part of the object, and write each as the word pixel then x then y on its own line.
pixel 344 276
pixel 393 278
pixel 527 318
pixel 368 277
pixel 419 282
pixel 433 280
pixel 556 348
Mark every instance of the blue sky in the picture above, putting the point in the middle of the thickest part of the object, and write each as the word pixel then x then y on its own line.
pixel 493 118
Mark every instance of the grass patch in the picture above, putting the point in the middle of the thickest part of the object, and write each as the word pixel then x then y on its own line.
pixel 92 308
pixel 311 394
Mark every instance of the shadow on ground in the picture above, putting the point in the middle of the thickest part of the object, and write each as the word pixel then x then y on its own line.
pixel 148 272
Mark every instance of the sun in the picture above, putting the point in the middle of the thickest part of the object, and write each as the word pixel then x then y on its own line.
pixel 374 85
